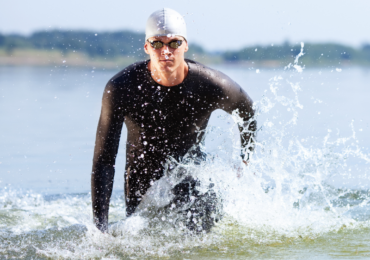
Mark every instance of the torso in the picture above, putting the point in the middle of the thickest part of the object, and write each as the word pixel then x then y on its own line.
pixel 164 121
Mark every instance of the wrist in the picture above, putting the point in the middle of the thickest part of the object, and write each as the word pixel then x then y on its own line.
pixel 245 157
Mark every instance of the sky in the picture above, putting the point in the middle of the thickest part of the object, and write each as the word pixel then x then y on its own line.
pixel 215 25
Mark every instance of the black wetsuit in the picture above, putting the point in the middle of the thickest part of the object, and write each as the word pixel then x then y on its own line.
pixel 161 121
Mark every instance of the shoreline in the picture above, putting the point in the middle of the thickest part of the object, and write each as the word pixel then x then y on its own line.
pixel 52 58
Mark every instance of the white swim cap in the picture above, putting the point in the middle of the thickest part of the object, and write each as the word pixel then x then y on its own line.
pixel 165 22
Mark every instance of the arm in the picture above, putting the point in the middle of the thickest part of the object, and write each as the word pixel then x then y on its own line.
pixel 237 99
pixel 105 152
pixel 248 126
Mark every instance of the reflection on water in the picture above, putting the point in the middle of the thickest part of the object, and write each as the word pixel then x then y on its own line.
pixel 304 194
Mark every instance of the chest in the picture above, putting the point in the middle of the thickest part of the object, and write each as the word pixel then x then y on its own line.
pixel 153 105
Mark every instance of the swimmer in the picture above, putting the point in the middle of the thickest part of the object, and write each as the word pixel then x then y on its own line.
pixel 165 102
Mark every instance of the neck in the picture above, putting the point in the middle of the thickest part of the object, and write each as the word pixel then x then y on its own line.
pixel 168 78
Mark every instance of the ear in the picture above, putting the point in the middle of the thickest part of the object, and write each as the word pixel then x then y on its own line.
pixel 146 48
pixel 186 46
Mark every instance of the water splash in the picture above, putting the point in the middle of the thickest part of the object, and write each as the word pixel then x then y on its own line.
pixel 295 65
pixel 284 197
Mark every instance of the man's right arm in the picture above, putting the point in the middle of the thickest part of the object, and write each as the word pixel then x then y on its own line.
pixel 105 152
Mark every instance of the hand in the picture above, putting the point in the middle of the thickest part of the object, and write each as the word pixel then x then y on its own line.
pixel 102 225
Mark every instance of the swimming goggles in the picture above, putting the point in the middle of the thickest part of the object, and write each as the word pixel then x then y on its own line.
pixel 158 44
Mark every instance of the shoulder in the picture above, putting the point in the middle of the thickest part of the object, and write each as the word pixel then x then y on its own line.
pixel 209 75
pixel 128 75
pixel 118 86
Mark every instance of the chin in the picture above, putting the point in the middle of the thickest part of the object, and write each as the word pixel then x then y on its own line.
pixel 168 66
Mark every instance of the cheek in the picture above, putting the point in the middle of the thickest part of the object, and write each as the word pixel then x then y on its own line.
pixel 177 51
pixel 155 53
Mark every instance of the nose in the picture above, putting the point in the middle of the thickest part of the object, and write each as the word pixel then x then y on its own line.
pixel 165 50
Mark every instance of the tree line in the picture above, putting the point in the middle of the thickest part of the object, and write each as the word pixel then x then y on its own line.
pixel 104 44
pixel 130 43
pixel 319 53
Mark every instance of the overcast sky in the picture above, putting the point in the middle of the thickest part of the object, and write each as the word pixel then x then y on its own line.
pixel 215 24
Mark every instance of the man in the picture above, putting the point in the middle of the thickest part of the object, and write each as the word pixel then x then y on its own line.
pixel 166 103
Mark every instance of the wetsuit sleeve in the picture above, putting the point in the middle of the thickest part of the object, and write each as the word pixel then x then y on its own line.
pixel 106 148
pixel 237 99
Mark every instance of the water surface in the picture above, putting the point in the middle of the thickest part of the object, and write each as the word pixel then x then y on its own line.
pixel 305 194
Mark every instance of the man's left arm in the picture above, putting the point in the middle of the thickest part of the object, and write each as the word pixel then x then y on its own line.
pixel 237 99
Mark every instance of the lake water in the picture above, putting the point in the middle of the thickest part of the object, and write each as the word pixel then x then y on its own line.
pixel 305 194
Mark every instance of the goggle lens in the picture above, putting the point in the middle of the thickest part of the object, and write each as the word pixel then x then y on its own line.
pixel 157 45
pixel 175 44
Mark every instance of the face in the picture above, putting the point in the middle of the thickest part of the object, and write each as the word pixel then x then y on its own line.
pixel 166 58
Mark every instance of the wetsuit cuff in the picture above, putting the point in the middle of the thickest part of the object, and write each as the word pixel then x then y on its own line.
pixel 244 156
